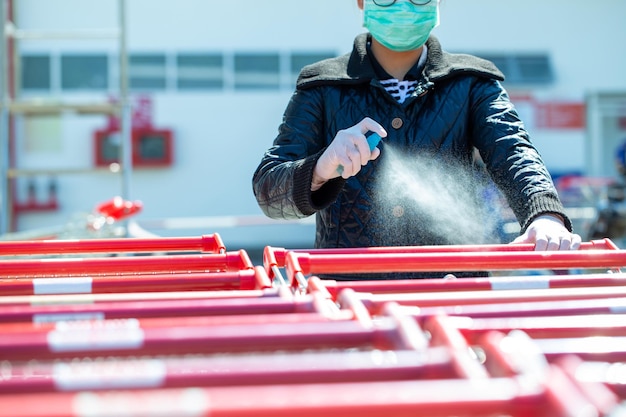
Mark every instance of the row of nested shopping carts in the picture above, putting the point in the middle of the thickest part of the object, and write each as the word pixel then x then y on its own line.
pixel 186 327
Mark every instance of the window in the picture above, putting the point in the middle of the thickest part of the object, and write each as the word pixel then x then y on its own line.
pixel 152 146
pixel 301 59
pixel 110 147
pixel 35 72
pixel 84 72
pixel 257 71
pixel 535 68
pixel 147 72
pixel 199 71
pixel 523 68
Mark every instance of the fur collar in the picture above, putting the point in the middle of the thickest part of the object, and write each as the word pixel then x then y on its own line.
pixel 356 67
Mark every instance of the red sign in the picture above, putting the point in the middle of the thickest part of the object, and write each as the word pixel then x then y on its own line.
pixel 560 115
pixel 550 114
pixel 141 114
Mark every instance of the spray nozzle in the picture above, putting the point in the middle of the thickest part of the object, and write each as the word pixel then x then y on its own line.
pixel 373 139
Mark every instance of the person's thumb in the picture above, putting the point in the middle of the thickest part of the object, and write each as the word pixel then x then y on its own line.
pixel 524 238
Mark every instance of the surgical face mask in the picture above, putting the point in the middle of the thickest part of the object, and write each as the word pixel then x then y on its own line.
pixel 403 25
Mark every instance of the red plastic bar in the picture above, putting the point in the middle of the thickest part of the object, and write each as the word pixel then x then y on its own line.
pixel 211 243
pixel 275 256
pixel 597 392
pixel 307 263
pixel 225 370
pixel 350 302
pixel 247 279
pixel 154 308
pixel 23 328
pixel 518 354
pixel 433 398
pixel 443 334
pixel 497 361
pixel 441 299
pixel 609 349
pixel 544 327
pixel 46 300
pixel 565 397
pixel 51 267
pixel 410 336
pixel 146 295
pixel 611 375
pixel 470 284
pixel 611 305
pixel 128 338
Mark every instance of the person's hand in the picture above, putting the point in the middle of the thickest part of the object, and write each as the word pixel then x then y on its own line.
pixel 547 232
pixel 348 149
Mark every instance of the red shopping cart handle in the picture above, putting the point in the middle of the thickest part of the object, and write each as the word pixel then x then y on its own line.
pixel 118 208
pixel 209 243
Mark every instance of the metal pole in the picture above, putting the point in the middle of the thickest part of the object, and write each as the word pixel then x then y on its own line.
pixel 594 130
pixel 4 124
pixel 125 107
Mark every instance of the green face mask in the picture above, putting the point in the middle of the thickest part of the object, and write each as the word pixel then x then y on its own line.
pixel 403 26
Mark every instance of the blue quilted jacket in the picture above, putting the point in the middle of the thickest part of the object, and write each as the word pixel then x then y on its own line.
pixel 421 190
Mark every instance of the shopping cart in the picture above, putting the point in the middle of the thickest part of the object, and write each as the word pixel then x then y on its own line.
pixel 185 326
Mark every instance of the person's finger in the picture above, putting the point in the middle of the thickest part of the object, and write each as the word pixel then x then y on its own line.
pixel 521 239
pixel 356 166
pixel 355 157
pixel 541 243
pixel 554 243
pixel 566 243
pixel 370 125
pixel 576 241
pixel 361 150
pixel 344 164
pixel 570 242
pixel 529 236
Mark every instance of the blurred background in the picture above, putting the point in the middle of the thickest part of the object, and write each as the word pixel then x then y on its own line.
pixel 171 104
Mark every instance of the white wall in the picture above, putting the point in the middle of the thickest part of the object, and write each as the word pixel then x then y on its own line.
pixel 220 136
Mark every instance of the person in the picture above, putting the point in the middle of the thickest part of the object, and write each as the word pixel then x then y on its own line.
pixel 431 108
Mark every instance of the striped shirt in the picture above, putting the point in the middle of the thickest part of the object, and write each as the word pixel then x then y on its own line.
pixel 400 90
